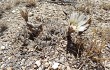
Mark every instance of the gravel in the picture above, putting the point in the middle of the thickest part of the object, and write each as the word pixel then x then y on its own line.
pixel 48 51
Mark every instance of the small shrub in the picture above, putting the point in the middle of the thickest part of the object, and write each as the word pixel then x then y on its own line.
pixel 3 27
pixel 31 29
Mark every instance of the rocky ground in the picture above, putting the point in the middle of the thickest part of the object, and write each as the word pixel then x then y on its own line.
pixel 49 49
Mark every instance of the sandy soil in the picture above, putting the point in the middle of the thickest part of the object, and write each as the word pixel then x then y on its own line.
pixel 19 51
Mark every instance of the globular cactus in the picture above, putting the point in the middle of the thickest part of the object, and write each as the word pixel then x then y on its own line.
pixel 79 22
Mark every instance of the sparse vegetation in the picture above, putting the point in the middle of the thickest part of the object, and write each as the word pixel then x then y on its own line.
pixel 31 3
pixel 32 31
pixel 85 7
pixel 3 28
pixel 105 6
pixel 60 35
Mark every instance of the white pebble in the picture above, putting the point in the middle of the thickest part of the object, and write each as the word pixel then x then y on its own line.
pixel 2 47
pixel 9 68
pixel 13 11
pixel 2 66
pixel 68 68
pixel 55 65
pixel 46 64
pixel 38 63
pixel 108 45
pixel 31 14
pixel 40 68
pixel 22 61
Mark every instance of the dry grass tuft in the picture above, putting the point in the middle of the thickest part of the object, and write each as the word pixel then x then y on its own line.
pixel 31 29
pixel 16 2
pixel 97 45
pixel 31 3
pixel 105 6
pixel 85 7
pixel 3 27
pixel 24 14
pixel 92 49
pixel 7 6
pixel 93 55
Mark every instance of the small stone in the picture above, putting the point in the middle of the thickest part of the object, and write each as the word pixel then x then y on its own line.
pixel 68 68
pixel 2 66
pixel 23 68
pixel 9 58
pixel 13 11
pixel 2 47
pixel 60 67
pixel 50 14
pixel 107 64
pixel 46 64
pixel 30 69
pixel 31 49
pixel 31 14
pixel 35 66
pixel 38 63
pixel 17 11
pixel 9 68
pixel 108 45
pixel 22 61
pixel 40 68
pixel 55 65
pixel 8 20
pixel 63 67
pixel 1 52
